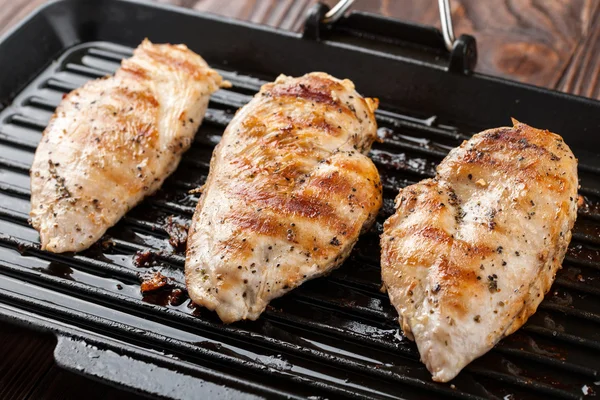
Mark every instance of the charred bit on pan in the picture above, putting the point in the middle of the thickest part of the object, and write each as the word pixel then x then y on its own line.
pixel 153 282
pixel 144 258
pixel 178 232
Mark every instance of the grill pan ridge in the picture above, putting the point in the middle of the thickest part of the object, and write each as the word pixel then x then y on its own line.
pixel 333 337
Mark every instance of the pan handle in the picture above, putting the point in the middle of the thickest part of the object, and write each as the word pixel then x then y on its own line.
pixel 140 374
pixel 322 22
pixel 337 11
pixel 446 23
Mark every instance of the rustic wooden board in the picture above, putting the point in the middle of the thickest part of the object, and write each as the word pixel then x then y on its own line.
pixel 550 43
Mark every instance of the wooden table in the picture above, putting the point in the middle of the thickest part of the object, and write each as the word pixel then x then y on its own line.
pixel 550 43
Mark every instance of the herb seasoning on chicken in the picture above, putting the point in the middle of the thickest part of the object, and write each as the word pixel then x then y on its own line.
pixel 289 191
pixel 469 255
pixel 114 141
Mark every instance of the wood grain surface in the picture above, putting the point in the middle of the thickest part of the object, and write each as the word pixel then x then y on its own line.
pixel 550 43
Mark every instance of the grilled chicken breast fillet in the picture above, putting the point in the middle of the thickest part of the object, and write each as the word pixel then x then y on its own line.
pixel 289 190
pixel 469 255
pixel 114 141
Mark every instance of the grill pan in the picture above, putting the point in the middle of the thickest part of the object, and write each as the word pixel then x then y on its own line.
pixel 334 337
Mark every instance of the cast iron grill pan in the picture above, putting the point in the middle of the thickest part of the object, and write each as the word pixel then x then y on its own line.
pixel 333 337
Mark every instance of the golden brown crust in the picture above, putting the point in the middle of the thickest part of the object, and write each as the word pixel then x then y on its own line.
pixel 290 181
pixel 468 255
pixel 114 140
pixel 312 88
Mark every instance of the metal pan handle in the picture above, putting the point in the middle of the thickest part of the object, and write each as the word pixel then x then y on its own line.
pixel 462 52
pixel 342 6
pixel 140 374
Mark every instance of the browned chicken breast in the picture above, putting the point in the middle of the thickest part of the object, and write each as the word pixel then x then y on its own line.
pixel 469 255
pixel 290 189
pixel 114 141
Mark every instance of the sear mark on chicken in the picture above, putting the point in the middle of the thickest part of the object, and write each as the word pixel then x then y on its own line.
pixel 289 191
pixel 469 255
pixel 113 141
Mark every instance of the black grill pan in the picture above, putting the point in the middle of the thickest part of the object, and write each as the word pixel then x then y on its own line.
pixel 334 337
